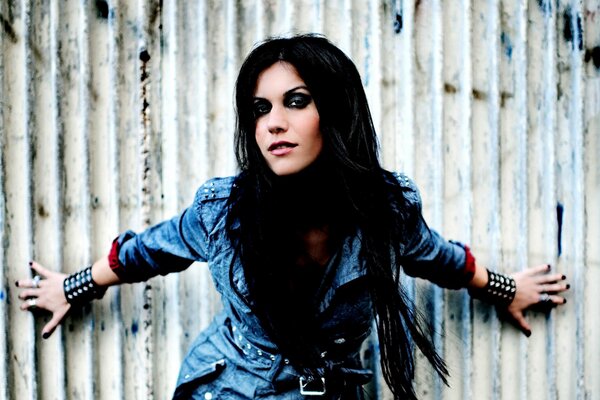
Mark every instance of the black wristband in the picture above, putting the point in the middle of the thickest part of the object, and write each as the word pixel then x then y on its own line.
pixel 80 288
pixel 499 290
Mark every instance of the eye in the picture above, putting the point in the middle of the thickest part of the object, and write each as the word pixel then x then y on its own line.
pixel 261 107
pixel 298 100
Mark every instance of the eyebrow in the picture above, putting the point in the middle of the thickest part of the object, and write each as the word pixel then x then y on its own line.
pixel 292 90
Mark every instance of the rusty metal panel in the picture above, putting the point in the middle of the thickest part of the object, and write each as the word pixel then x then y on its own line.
pixel 113 112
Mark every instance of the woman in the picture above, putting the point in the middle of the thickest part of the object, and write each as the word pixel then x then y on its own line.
pixel 306 245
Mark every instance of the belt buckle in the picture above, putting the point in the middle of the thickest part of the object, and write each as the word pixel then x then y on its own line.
pixel 312 388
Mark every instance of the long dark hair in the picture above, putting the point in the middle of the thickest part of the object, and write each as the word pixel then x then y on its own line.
pixel 346 189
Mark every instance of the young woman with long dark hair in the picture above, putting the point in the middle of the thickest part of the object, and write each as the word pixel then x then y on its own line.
pixel 307 245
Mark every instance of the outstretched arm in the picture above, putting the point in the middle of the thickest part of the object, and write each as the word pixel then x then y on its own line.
pixel 45 291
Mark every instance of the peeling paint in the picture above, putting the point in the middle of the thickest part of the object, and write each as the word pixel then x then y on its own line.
pixel 572 31
pixel 449 88
pixel 398 20
pixel 479 94
pixel 506 44
pixel 8 29
pixel 559 222
pixel 545 6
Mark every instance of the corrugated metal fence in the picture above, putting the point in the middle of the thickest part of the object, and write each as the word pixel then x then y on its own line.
pixel 113 112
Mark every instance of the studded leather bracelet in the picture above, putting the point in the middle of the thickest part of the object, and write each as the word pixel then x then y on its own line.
pixel 499 290
pixel 80 287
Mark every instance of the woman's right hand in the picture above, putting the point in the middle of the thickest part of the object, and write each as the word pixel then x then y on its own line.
pixel 46 293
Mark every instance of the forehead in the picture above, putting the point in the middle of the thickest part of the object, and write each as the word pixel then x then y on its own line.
pixel 278 78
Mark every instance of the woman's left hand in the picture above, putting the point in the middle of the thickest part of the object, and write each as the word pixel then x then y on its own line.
pixel 538 289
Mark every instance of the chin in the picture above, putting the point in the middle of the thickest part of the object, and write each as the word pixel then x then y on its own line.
pixel 285 169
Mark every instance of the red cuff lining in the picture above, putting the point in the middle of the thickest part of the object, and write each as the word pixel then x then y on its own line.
pixel 469 264
pixel 113 257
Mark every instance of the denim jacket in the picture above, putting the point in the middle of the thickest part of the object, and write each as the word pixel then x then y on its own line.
pixel 233 358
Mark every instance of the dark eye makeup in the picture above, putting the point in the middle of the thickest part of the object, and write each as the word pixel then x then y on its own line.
pixel 261 107
pixel 297 100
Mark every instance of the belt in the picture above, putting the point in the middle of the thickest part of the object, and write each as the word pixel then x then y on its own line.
pixel 315 385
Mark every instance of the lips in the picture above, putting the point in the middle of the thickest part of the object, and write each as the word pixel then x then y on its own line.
pixel 281 147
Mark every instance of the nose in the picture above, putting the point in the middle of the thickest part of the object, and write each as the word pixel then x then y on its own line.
pixel 277 120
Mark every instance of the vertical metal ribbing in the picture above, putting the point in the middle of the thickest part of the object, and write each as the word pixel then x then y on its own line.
pixel 47 233
pixel 130 29
pixel 167 324
pixel 569 178
pixel 194 155
pixel 437 214
pixel 148 159
pixel 485 189
pixel 591 145
pixel 16 245
pixel 513 179
pixel 513 97
pixel 428 135
pixel 541 125
pixel 104 193
pixel 74 133
pixel 4 285
pixel 457 165
pixel 577 213
pixel 403 56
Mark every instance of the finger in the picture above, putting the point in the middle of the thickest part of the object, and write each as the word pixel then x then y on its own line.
pixel 51 326
pixel 29 293
pixel 57 318
pixel 40 269
pixel 540 269
pixel 29 305
pixel 550 278
pixel 557 300
pixel 26 283
pixel 522 323
pixel 554 287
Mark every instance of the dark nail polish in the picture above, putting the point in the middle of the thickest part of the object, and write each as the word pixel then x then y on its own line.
pixel 565 301
pixel 17 283
pixel 30 263
pixel 568 286
pixel 549 267
pixel 527 333
pixel 45 335
pixel 564 277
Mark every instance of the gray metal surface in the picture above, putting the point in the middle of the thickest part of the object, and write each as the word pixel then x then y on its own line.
pixel 113 112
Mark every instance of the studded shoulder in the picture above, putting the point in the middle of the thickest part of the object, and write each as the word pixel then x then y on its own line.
pixel 411 191
pixel 215 189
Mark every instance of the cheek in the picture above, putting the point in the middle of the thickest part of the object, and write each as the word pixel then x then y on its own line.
pixel 259 135
pixel 316 134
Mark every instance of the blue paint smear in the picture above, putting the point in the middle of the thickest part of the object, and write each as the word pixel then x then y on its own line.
pixel 507 44
pixel 559 219
pixel 134 327
pixel 367 61
pixel 2 295
pixel 546 6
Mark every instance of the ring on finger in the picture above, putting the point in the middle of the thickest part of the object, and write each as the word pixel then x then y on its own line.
pixel 545 298
pixel 32 303
pixel 36 281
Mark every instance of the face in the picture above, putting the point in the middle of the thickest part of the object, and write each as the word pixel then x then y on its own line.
pixel 287 121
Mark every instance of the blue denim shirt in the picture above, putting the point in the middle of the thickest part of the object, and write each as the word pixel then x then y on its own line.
pixel 234 358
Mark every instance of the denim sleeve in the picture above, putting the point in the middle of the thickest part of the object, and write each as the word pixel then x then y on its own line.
pixel 169 246
pixel 430 256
